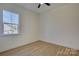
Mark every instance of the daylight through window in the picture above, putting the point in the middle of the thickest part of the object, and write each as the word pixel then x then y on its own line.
pixel 10 22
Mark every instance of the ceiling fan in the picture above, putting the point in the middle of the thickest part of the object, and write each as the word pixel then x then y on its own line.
pixel 48 4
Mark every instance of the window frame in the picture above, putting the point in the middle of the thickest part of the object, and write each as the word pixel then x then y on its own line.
pixel 17 24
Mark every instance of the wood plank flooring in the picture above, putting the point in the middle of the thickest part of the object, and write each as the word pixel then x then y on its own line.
pixel 40 48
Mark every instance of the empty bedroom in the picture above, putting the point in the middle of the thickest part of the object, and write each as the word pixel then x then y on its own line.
pixel 39 29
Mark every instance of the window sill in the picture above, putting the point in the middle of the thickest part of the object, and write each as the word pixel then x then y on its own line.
pixel 10 34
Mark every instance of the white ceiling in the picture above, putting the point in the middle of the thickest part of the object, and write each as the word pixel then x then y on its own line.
pixel 43 8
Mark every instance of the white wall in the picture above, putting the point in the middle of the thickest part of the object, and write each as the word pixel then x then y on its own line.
pixel 61 26
pixel 28 28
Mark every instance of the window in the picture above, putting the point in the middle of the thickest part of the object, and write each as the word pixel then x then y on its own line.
pixel 10 22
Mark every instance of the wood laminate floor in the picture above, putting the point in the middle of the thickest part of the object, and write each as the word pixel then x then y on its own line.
pixel 40 48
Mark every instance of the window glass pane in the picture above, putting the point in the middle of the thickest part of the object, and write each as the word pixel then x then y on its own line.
pixel 15 18
pixel 14 29
pixel 6 16
pixel 10 29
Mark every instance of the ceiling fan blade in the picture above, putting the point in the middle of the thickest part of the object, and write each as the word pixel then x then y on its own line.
pixel 48 4
pixel 39 5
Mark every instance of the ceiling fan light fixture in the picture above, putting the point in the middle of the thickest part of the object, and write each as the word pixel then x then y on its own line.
pixel 48 4
pixel 41 3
